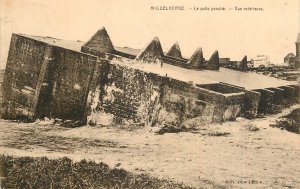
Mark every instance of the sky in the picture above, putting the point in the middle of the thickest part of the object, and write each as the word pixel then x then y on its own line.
pixel 132 23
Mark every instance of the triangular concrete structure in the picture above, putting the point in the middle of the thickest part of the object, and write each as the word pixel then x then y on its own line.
pixel 213 62
pixel 100 42
pixel 243 64
pixel 152 52
pixel 197 58
pixel 175 51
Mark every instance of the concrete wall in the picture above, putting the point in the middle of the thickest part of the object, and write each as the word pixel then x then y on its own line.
pixel 126 93
pixel 23 79
pixel 131 93
pixel 221 88
pixel 69 82
pixel 179 62
pixel 233 106
pixel 148 98
pixel 266 102
pixel 181 104
pixel 288 94
pixel 177 109
pixel 227 106
pixel 45 81
pixel 278 100
pixel 251 104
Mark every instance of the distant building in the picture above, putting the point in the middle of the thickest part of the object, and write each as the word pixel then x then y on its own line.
pixel 224 61
pixel 242 65
pixel 287 58
pixel 260 60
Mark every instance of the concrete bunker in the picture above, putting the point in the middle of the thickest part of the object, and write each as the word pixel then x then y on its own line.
pixel 48 77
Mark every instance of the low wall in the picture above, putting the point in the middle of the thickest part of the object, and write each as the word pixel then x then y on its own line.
pixel 278 99
pixel 184 111
pixel 221 88
pixel 234 105
pixel 288 94
pixel 266 102
pixel 179 63
pixel 182 100
pixel 251 104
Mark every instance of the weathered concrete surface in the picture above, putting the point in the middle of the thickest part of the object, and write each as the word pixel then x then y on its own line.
pixel 227 106
pixel 243 64
pixel 234 104
pixel 278 99
pixel 152 52
pixel 72 85
pixel 266 102
pixel 23 79
pixel 213 63
pixel 288 94
pixel 184 111
pixel 197 59
pixel 71 76
pixel 100 41
pixel 181 104
pixel 146 98
pixel 222 88
pixel 175 51
pixel 252 100
pixel 45 81
pixel 126 93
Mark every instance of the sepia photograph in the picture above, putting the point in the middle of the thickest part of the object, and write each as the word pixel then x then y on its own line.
pixel 132 94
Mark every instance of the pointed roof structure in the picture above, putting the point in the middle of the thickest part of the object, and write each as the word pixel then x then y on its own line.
pixel 151 52
pixel 175 51
pixel 213 62
pixel 100 41
pixel 243 64
pixel 197 58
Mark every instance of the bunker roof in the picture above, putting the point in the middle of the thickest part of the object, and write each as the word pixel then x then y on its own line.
pixel 249 80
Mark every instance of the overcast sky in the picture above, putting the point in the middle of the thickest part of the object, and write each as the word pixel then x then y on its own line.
pixel 131 23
